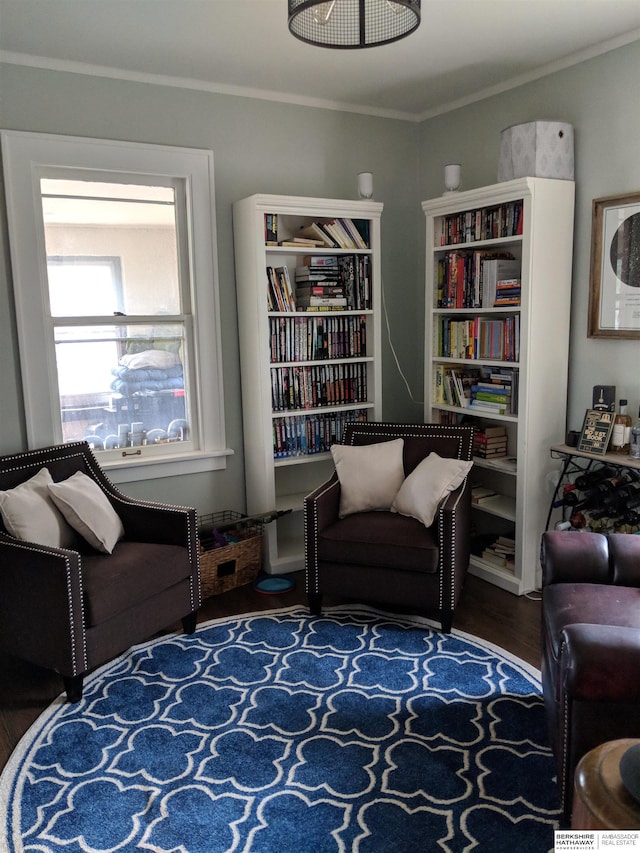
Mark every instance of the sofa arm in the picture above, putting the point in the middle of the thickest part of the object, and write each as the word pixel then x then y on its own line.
pixel 568 557
pixel 600 663
pixel 41 605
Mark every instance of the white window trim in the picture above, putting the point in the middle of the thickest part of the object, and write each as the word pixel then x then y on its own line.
pixel 24 154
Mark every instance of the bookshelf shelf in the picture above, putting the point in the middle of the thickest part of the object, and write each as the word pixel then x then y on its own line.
pixel 326 359
pixel 528 225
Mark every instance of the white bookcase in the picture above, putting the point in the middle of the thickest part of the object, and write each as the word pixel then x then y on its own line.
pixel 482 221
pixel 280 469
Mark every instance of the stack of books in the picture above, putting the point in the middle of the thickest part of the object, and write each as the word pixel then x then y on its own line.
pixel 319 283
pixel 482 494
pixel 507 292
pixel 493 397
pixel 490 442
pixel 501 553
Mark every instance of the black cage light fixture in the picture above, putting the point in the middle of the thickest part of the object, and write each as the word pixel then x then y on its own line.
pixel 349 24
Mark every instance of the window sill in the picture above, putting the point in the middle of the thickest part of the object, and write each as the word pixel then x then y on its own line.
pixel 135 470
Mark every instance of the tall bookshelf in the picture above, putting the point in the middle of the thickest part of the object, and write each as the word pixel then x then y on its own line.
pixel 304 372
pixel 524 342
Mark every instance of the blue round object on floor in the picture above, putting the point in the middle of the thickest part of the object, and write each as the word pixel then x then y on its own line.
pixel 274 584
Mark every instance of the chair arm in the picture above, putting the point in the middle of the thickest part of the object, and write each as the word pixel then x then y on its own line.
pixel 320 509
pixel 324 502
pixel 574 558
pixel 41 605
pixel 453 524
pixel 146 521
pixel 600 663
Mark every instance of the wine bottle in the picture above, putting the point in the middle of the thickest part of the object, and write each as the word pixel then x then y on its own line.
pixel 591 478
pixel 621 435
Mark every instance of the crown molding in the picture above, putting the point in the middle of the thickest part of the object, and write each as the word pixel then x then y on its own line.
pixel 70 67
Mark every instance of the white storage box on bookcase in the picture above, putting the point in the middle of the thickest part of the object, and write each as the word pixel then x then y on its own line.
pixel 496 352
pixel 309 324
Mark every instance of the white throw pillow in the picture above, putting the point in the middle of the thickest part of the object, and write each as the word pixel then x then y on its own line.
pixel 370 475
pixel 87 509
pixel 29 513
pixel 431 481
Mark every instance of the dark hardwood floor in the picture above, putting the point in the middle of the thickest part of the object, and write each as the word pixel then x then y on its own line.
pixel 508 621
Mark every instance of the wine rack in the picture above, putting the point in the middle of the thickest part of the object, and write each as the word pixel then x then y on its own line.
pixel 600 493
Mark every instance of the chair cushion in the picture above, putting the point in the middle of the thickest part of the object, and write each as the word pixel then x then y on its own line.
pixel 380 539
pixel 87 509
pixel 594 604
pixel 370 475
pixel 431 481
pixel 30 514
pixel 134 572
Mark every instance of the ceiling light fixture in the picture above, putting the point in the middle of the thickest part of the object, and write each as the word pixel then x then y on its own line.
pixel 349 24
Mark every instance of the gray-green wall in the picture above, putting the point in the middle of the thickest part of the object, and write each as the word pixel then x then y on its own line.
pixel 263 146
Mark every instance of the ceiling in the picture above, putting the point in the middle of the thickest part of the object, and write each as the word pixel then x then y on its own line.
pixel 463 50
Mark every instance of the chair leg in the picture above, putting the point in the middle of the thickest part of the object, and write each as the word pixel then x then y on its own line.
pixel 315 603
pixel 446 620
pixel 73 685
pixel 189 623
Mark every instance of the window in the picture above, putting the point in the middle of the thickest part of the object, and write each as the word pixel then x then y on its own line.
pixel 117 305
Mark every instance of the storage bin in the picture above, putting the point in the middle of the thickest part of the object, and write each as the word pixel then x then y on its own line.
pixel 226 566
pixel 537 149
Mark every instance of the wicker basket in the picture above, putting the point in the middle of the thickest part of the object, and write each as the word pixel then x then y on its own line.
pixel 224 567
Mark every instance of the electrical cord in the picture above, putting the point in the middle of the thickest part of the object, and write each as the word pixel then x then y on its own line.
pixel 393 350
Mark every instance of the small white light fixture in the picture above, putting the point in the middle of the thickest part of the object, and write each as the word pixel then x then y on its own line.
pixel 452 177
pixel 365 184
pixel 352 23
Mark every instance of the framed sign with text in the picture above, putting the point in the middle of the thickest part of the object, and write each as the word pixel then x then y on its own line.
pixel 596 431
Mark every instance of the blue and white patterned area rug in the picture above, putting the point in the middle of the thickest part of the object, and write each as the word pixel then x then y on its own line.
pixel 277 732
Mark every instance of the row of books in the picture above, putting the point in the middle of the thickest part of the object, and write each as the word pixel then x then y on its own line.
pixel 478 338
pixel 339 233
pixel 489 442
pixel 304 435
pixel 318 338
pixel 469 279
pixel 483 390
pixel 314 386
pixel 486 223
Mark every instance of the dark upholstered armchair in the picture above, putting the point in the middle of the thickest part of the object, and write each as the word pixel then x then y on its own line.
pixel 73 608
pixel 388 556
pixel 590 644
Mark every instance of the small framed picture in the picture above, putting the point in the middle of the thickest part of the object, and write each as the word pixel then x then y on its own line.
pixel 596 431
pixel 614 293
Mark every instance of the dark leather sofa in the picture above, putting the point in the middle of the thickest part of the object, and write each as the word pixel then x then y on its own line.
pixel 590 644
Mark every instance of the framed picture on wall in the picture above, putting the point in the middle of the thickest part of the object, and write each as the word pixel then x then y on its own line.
pixel 614 296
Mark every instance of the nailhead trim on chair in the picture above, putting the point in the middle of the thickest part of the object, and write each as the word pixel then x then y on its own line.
pixel 392 433
pixel 16 543
pixel 87 454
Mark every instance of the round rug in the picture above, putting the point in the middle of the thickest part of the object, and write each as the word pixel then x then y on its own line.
pixel 279 732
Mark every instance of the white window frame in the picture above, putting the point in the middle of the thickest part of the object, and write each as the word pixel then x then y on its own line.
pixel 24 155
